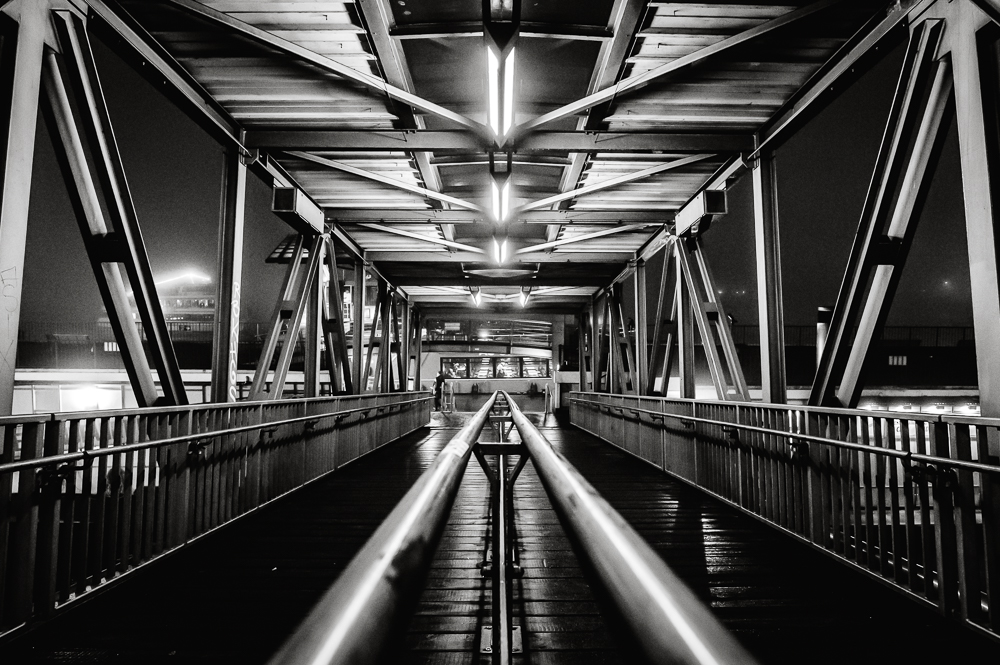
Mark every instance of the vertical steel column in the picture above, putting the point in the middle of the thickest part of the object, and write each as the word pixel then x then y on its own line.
pixel 19 153
pixel 335 327
pixel 980 158
pixel 641 345
pixel 226 335
pixel 595 349
pixel 404 346
pixel 419 342
pixel 581 350
pixel 685 331
pixel 357 337
pixel 770 306
pixel 314 328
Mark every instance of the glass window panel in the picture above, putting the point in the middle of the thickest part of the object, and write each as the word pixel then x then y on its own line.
pixel 481 368
pixel 508 368
pixel 535 368
pixel 456 368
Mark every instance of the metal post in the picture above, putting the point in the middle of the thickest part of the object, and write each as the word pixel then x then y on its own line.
pixel 358 335
pixel 823 316
pixel 685 331
pixel 978 156
pixel 19 156
pixel 641 348
pixel 770 306
pixel 419 341
pixel 314 329
pixel 226 335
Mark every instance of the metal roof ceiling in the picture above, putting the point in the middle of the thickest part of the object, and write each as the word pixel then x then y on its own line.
pixel 377 110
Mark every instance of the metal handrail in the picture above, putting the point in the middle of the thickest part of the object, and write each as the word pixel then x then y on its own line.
pixel 352 621
pixel 809 438
pixel 667 620
pixel 64 458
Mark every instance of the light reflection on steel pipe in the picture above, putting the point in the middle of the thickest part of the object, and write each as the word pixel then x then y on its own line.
pixel 353 620
pixel 668 621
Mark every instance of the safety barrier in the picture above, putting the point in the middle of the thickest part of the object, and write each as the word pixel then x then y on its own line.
pixel 911 499
pixel 667 621
pixel 352 622
pixel 88 496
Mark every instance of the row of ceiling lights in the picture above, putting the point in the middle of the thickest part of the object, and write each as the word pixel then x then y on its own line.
pixel 477 296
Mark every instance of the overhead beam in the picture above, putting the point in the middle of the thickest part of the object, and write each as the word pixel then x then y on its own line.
pixel 581 238
pixel 384 179
pixel 378 257
pixel 542 141
pixel 429 216
pixel 635 82
pixel 612 182
pixel 373 83
pixel 417 236
pixel 475 29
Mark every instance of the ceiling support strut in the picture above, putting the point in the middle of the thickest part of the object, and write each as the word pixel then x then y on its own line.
pixel 93 168
pixel 910 147
pixel 21 52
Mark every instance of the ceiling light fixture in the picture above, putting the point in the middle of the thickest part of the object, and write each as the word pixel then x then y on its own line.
pixel 501 25
pixel 524 295
pixel 500 187
pixel 500 250
pixel 477 295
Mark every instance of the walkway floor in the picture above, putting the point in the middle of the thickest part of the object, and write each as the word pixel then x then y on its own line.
pixel 235 595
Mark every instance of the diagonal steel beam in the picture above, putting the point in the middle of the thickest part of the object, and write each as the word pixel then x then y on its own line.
pixel 611 182
pixel 384 179
pixel 585 236
pixel 417 236
pixel 824 83
pixel 635 82
pixel 379 20
pixel 367 80
pixel 115 20
pixel 625 20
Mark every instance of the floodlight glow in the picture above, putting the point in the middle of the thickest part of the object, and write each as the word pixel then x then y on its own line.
pixel 524 295
pixel 508 92
pixel 477 295
pixel 493 72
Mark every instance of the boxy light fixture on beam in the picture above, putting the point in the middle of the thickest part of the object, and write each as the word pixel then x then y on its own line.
pixel 293 206
pixel 696 216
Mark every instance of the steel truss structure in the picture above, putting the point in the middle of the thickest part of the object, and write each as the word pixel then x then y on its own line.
pixel 374 133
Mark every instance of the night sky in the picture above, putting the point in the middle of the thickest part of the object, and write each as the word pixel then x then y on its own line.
pixel 174 171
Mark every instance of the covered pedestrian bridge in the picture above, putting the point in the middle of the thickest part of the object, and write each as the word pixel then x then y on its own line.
pixel 533 200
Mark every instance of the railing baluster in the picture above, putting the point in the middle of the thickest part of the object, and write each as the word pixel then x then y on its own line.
pixel 965 526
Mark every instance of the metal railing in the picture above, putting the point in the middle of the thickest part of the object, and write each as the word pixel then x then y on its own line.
pixel 86 497
pixel 911 499
pixel 665 618
pixel 352 622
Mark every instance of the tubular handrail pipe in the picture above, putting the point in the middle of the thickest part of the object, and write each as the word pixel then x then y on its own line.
pixel 352 622
pixel 668 621
pixel 64 458
pixel 810 438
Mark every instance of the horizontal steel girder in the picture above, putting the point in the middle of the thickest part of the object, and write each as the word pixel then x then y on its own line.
pixel 428 216
pixel 428 140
